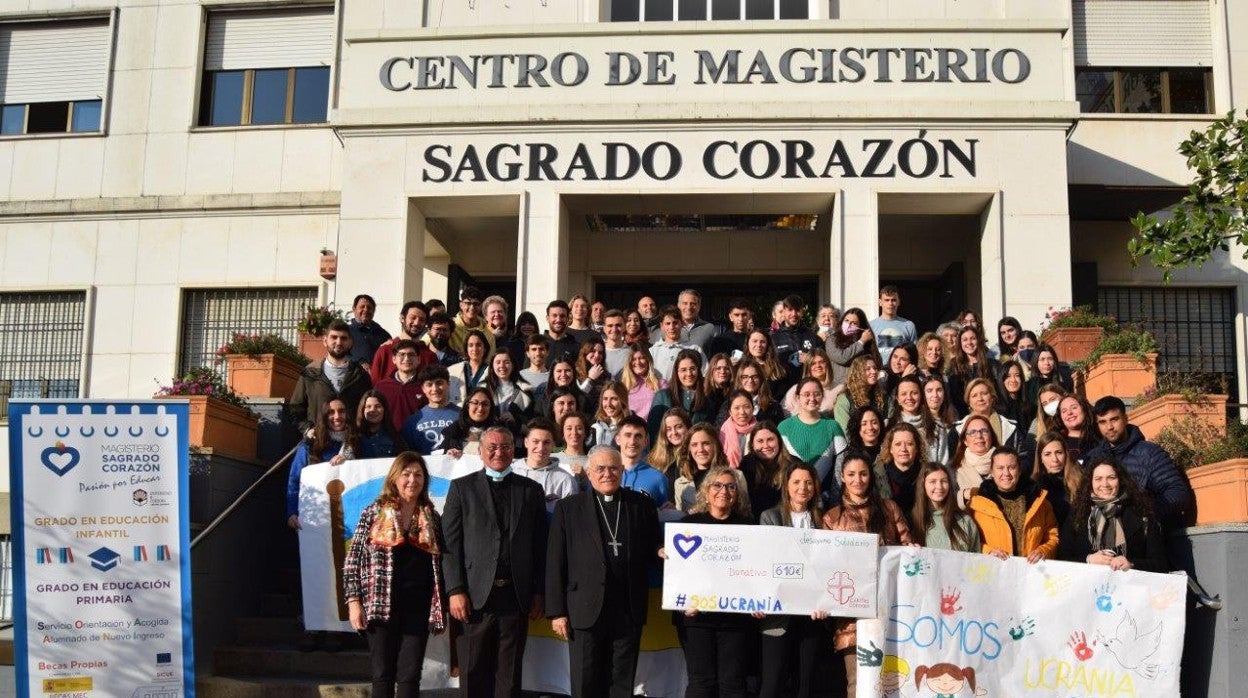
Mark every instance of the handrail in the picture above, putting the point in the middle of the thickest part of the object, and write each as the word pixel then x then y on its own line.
pixel 239 500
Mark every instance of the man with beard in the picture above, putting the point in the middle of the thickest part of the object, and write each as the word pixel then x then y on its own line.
pixel 649 310
pixel 602 545
pixel 440 340
pixel 335 377
pixel 562 344
pixel 411 326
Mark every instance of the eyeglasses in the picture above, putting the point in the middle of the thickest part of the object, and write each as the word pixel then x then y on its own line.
pixel 406 356
pixel 724 486
pixel 478 403
pixel 978 432
pixel 750 377
pixel 470 303
pixel 495 448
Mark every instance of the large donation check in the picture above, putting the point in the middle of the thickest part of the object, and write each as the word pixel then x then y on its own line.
pixel 769 569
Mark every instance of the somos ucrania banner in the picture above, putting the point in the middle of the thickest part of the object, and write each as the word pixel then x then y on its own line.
pixel 331 499
pixel 957 624
pixel 102 578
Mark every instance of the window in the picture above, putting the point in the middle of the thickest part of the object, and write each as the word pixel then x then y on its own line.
pixel 41 348
pixel 211 316
pixel 267 68
pixel 694 10
pixel 52 76
pixel 1144 90
pixel 1194 326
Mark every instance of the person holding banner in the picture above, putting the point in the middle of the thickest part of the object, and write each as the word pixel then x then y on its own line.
pixel 391 577
pixel 937 523
pixel 863 510
pixel 698 456
pixel 1112 522
pixel 494 562
pixel 793 645
pixel 333 440
pixel 601 547
pixel 717 644
pixel 1013 513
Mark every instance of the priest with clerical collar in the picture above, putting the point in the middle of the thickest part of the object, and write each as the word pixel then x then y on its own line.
pixel 602 544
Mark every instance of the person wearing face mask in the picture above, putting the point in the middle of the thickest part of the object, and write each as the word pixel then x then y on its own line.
pixel 1047 399
pixel 1025 351
pixel 1112 522
pixel 826 320
pixel 1046 368
pixel 852 338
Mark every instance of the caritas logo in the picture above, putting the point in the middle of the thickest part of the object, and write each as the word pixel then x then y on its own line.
pixel 841 587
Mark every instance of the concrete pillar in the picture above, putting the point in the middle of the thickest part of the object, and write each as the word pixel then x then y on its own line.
pixel 857 257
pixel 991 271
pixel 541 252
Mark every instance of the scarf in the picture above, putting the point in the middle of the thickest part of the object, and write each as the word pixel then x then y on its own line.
pixel 730 436
pixel 980 464
pixel 1105 524
pixel 901 480
pixel 994 420
pixel 338 436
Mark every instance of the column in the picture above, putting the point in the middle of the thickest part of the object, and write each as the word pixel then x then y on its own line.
pixel 541 252
pixel 855 257
pixel 991 267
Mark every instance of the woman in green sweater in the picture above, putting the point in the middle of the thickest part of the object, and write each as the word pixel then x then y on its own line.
pixel 937 521
pixel 810 436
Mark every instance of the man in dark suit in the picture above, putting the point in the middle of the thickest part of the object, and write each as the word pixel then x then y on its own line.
pixel 494 523
pixel 601 544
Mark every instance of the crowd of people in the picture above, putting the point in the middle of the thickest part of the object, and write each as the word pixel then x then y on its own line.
pixel 611 420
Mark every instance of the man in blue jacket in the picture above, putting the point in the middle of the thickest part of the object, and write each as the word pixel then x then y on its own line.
pixel 1153 469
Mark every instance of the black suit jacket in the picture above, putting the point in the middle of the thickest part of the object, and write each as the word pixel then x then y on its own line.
pixel 470 528
pixel 576 565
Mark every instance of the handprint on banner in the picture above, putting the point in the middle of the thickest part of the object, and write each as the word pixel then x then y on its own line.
pixel 980 572
pixel 1164 599
pixel 914 567
pixel 870 657
pixel 1056 585
pixel 949 601
pixel 1105 597
pixel 1025 627
pixel 1079 645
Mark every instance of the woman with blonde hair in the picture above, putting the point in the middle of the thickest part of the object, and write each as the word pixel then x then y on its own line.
pixel 392 580
pixel 612 408
pixel 641 382
pixel 818 366
pixel 897 467
pixel 698 455
pixel 931 350
pixel 862 389
pixel 1048 397
pixel 665 454
pixel 1058 473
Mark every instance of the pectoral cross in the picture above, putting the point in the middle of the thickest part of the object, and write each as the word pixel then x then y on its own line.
pixel 615 547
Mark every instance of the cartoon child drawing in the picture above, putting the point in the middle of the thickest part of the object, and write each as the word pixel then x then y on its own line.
pixel 893 674
pixel 947 680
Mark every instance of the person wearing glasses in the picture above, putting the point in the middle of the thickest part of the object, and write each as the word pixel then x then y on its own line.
pixel 470 318
pixel 717 645
pixel 972 461
pixel 494 564
pixel 602 545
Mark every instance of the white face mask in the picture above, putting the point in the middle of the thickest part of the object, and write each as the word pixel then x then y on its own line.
pixel 1051 408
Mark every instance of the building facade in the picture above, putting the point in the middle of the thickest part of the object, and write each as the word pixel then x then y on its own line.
pixel 171 169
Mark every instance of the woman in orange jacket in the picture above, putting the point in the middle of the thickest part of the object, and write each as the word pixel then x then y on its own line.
pixel 1014 515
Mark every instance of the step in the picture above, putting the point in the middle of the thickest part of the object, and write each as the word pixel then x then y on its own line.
pixel 276 604
pixel 351 665
pixel 290 687
pixel 285 632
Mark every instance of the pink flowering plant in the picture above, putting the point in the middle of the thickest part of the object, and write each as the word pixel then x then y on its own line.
pixel 316 319
pixel 203 381
pixel 1079 316
pixel 257 344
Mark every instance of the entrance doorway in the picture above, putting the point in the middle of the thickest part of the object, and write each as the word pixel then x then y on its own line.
pixel 929 302
pixel 716 294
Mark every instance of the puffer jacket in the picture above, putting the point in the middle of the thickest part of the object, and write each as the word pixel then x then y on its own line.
pixel 1155 472
pixel 1039 527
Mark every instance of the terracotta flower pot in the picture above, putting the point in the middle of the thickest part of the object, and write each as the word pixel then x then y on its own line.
pixel 1073 343
pixel 1119 374
pixel 312 347
pixel 263 375
pixel 1221 491
pixel 1162 411
pixel 329 266
pixel 218 425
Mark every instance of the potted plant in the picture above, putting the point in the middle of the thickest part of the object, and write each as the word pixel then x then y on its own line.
pixel 219 418
pixel 329 264
pixel 1216 462
pixel 261 365
pixel 1124 363
pixel 1177 395
pixel 1074 332
pixel 316 319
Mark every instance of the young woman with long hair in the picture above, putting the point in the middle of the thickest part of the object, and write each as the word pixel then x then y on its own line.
pixel 562 378
pixel 1058 473
pixel 861 509
pixel 1048 399
pixel 511 392
pixel 902 361
pixel 477 414
pixel 1047 368
pixel 818 366
pixel 862 389
pixel 909 408
pixel 684 390
pixel 640 380
pixel 1112 522
pixel 936 399
pixel 760 349
pixel 937 521
pixel 969 362
pixel 1012 399
pixel 810 436
pixel 752 380
pixel 333 441
pixel 718 381
pixel 866 431
pixel 793 646
pixel 665 453
pixel 764 467
pixel 1009 330
pixel 377 436
pixel 698 455
pixel 472 371
pixel 612 407
pixel 635 329
pixel 735 431
pixel 1077 426
pixel 591 368
pixel 931 349
pixel 897 466
pixel 851 338
pixel 573 452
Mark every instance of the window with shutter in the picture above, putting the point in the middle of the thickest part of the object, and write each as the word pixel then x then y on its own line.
pixel 53 76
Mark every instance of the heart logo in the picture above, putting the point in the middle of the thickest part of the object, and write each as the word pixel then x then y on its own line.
pixel 60 458
pixel 686 545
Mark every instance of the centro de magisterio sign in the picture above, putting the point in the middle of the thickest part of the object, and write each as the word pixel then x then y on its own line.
pixel 799 65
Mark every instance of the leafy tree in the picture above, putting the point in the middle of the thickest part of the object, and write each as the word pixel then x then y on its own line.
pixel 1212 214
